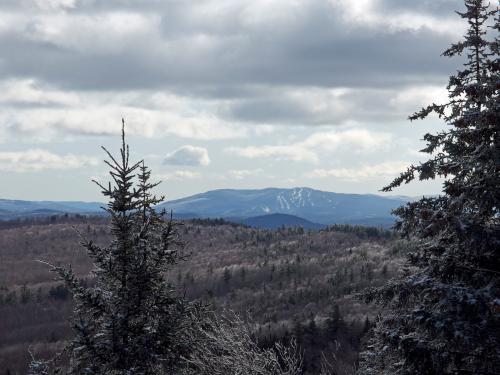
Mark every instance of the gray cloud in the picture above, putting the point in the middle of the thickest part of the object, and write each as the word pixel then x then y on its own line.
pixel 178 49
pixel 440 8
pixel 228 61
pixel 188 156
pixel 38 160
pixel 319 106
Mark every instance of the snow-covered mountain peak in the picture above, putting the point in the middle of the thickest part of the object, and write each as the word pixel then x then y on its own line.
pixel 295 198
pixel 314 205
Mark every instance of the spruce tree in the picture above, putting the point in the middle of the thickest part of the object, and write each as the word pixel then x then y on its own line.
pixel 444 310
pixel 131 320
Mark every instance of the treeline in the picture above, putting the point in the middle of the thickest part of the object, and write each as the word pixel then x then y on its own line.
pixel 25 295
pixel 65 218
pixel 363 231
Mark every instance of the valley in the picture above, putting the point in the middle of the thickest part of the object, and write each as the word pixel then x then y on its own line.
pixel 293 282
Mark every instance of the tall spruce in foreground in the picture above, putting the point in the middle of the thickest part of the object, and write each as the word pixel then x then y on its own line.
pixel 445 311
pixel 131 320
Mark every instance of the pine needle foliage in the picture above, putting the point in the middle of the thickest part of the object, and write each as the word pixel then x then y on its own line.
pixel 131 320
pixel 445 309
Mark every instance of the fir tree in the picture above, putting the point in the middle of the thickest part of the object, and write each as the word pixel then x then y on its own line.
pixel 334 322
pixel 446 308
pixel 131 320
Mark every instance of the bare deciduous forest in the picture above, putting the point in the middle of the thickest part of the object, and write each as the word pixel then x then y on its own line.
pixel 293 283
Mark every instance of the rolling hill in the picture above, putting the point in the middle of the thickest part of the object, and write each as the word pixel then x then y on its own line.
pixel 274 221
pixel 312 205
pixel 265 208
pixel 14 209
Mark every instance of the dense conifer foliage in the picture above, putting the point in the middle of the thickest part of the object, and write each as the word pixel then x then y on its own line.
pixel 446 308
pixel 131 320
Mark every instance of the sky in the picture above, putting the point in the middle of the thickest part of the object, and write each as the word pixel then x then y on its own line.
pixel 220 93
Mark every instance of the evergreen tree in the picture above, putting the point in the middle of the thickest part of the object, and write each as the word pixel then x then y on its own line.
pixel 131 320
pixel 227 275
pixel 334 322
pixel 446 308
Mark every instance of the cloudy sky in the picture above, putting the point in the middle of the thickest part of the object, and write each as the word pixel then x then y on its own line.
pixel 219 93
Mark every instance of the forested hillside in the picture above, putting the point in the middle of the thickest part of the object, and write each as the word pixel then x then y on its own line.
pixel 292 282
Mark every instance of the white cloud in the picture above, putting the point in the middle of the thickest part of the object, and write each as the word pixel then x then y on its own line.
pixel 188 155
pixel 356 140
pixel 332 106
pixel 55 4
pixel 363 172
pixel 27 91
pixel 240 174
pixel 289 152
pixel 36 112
pixel 367 13
pixel 353 140
pixel 411 99
pixel 178 175
pixel 105 33
pixel 263 130
pixel 35 160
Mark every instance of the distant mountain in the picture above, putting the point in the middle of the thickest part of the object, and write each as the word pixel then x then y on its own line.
pixel 13 209
pixel 298 206
pixel 313 205
pixel 274 221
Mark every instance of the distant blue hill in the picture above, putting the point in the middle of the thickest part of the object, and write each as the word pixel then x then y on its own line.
pixel 257 206
pixel 275 221
pixel 312 205
pixel 14 209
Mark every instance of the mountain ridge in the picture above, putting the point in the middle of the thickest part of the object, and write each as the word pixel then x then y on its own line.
pixel 275 221
pixel 16 208
pixel 315 206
